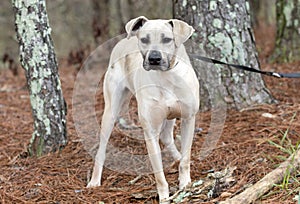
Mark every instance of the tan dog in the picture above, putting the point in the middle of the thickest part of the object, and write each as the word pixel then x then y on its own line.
pixel 153 65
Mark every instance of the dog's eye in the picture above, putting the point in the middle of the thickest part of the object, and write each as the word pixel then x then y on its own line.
pixel 166 40
pixel 145 40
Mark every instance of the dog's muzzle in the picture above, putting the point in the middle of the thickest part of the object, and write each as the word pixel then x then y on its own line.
pixel 155 61
pixel 154 58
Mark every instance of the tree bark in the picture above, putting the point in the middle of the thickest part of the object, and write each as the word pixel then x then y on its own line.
pixel 41 69
pixel 223 31
pixel 287 46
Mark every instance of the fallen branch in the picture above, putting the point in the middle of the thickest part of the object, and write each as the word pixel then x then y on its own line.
pixel 265 184
pixel 205 189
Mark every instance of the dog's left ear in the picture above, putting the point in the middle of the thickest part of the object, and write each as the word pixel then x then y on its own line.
pixel 134 25
pixel 181 30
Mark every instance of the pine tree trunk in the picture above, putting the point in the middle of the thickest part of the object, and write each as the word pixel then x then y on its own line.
pixel 116 24
pixel 39 61
pixel 100 20
pixel 223 31
pixel 262 12
pixel 287 46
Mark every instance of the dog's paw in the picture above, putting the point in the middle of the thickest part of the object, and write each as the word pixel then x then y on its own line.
pixel 164 201
pixel 183 184
pixel 92 184
pixel 184 181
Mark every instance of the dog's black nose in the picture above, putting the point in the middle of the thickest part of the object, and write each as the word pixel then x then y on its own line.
pixel 154 57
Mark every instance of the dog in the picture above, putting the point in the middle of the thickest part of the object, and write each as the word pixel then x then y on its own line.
pixel 152 64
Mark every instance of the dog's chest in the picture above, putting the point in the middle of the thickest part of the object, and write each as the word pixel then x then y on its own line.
pixel 167 92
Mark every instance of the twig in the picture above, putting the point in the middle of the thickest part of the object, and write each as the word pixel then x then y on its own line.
pixel 133 181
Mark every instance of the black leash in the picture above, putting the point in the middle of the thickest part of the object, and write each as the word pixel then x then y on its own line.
pixel 250 69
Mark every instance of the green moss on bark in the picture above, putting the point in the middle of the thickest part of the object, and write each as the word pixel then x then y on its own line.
pixel 39 61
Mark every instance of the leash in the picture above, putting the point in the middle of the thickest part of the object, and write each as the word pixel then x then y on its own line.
pixel 250 69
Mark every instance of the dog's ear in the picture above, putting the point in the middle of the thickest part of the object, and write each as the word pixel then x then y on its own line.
pixel 134 25
pixel 181 30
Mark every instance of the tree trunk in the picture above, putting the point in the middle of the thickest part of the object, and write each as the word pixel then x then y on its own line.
pixel 263 12
pixel 100 20
pixel 116 25
pixel 223 31
pixel 39 61
pixel 287 46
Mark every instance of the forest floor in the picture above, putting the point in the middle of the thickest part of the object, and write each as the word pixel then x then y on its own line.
pixel 247 143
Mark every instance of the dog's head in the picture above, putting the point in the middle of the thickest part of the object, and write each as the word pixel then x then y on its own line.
pixel 158 40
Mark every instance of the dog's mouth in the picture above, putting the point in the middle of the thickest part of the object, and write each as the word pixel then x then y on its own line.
pixel 154 60
pixel 157 67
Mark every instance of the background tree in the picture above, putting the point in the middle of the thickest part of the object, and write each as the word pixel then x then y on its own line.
pixel 287 47
pixel 223 31
pixel 263 12
pixel 39 61
pixel 100 20
pixel 110 17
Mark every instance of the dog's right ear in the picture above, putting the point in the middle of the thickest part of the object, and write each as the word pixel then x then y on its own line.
pixel 134 25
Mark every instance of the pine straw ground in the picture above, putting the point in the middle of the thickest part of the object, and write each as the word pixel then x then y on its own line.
pixel 61 177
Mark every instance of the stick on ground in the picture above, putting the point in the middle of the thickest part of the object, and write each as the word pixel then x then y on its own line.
pixel 265 184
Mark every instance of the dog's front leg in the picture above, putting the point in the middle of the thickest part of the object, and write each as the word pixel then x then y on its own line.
pixel 115 96
pixel 154 153
pixel 107 126
pixel 187 134
pixel 152 124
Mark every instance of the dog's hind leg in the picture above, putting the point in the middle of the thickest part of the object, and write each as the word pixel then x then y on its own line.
pixel 166 136
pixel 115 95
